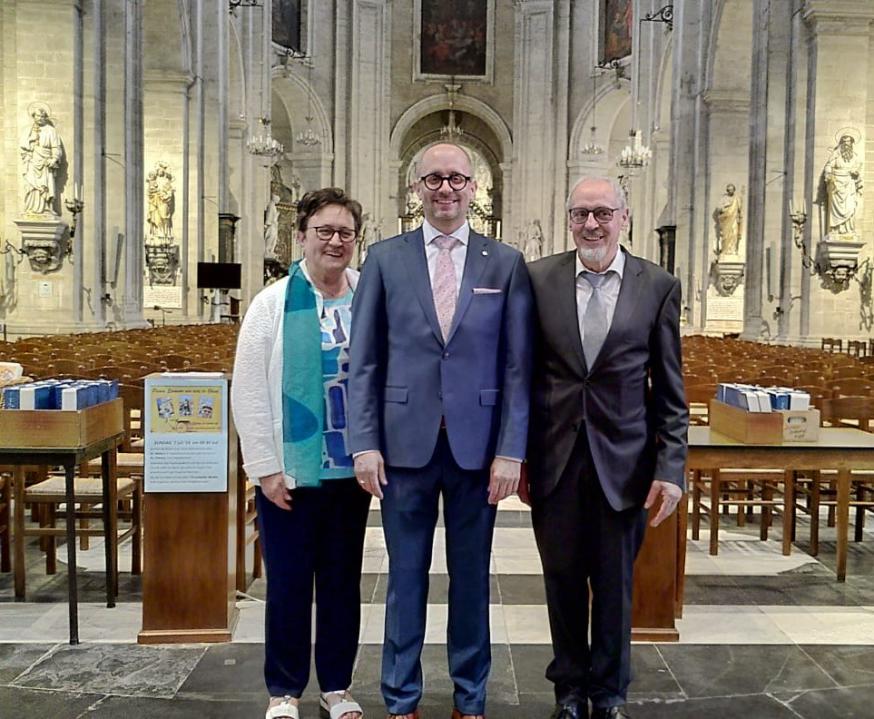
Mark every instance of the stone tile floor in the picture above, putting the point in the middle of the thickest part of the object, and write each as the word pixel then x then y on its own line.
pixel 762 636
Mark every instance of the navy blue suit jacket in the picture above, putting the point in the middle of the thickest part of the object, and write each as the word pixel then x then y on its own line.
pixel 404 380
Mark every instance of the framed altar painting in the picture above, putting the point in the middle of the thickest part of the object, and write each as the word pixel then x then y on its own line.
pixel 453 38
pixel 618 23
pixel 287 24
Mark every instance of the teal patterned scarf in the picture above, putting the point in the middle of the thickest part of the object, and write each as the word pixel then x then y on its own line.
pixel 303 407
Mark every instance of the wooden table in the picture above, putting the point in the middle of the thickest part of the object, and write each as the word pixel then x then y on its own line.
pixel 69 458
pixel 838 448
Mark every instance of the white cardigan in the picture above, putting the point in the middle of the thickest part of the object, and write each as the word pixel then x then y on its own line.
pixel 256 390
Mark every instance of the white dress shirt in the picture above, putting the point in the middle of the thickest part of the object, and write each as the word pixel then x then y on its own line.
pixel 457 254
pixel 609 288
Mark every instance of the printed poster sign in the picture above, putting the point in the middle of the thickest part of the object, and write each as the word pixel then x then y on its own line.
pixel 186 430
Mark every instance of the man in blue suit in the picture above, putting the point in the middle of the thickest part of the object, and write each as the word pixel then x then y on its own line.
pixel 438 406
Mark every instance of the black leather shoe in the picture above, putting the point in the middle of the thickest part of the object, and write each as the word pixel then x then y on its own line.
pixel 610 713
pixel 570 710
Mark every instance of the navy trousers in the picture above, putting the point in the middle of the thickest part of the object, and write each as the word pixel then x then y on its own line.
pixel 584 543
pixel 322 537
pixel 409 516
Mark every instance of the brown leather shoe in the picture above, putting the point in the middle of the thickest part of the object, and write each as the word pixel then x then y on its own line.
pixel 414 715
pixel 458 715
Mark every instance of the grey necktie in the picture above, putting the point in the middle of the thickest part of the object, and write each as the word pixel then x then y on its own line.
pixel 594 319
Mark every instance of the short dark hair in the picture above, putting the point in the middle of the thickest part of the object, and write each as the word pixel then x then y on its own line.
pixel 314 201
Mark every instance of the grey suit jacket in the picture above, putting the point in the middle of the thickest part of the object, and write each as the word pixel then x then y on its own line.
pixel 630 403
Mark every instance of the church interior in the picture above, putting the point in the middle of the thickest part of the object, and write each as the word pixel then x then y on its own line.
pixel 153 156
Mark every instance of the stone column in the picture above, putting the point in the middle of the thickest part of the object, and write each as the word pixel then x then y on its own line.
pixel 78 158
pixel 687 161
pixel 534 110
pixel 369 112
pixel 222 58
pixel 132 302
pixel 98 190
pixel 562 123
pixel 758 168
pixel 342 107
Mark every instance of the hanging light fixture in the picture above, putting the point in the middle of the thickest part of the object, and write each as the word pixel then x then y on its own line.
pixel 592 147
pixel 635 154
pixel 308 137
pixel 264 144
pixel 451 131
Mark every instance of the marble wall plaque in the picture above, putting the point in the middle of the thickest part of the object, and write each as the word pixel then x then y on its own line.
pixel 166 296
pixel 726 308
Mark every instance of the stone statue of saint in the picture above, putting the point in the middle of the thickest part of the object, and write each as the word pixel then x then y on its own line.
pixel 271 227
pixel 285 249
pixel 534 242
pixel 369 234
pixel 729 218
pixel 842 183
pixel 41 153
pixel 161 195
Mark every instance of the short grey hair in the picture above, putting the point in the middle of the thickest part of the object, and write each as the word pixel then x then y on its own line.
pixel 417 158
pixel 618 191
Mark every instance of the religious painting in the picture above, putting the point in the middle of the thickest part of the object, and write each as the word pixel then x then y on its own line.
pixel 454 38
pixel 286 23
pixel 618 24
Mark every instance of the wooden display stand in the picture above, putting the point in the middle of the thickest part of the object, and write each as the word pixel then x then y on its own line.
pixel 189 564
pixel 658 579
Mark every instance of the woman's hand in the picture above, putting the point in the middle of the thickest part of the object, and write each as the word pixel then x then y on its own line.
pixel 273 487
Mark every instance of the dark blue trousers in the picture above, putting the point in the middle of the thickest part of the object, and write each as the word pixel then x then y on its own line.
pixel 322 537
pixel 409 516
pixel 584 543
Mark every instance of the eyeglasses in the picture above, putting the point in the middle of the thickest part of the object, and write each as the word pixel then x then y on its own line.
pixel 456 181
pixel 603 215
pixel 326 233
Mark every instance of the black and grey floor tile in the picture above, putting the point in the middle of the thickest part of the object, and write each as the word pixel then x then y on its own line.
pixel 762 636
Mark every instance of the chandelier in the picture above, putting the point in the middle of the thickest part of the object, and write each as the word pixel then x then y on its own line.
pixel 308 136
pixel 264 144
pixel 451 131
pixel 635 154
pixel 592 147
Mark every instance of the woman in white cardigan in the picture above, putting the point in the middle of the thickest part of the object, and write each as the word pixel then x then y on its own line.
pixel 289 404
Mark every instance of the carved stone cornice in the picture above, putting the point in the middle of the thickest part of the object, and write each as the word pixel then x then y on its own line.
pixel 839 17
pixel 727 101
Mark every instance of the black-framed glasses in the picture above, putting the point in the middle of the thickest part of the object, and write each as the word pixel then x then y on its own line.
pixel 456 180
pixel 603 215
pixel 326 233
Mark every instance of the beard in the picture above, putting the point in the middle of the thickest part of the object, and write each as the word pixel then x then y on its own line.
pixel 847 153
pixel 593 254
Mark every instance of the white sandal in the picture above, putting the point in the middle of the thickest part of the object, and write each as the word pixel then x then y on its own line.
pixel 284 710
pixel 340 708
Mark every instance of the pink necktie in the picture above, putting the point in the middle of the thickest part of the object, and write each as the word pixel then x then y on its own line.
pixel 444 286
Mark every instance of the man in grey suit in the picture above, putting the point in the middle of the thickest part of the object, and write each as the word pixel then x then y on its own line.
pixel 438 407
pixel 607 440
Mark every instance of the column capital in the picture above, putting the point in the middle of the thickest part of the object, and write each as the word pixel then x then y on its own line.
pixel 839 17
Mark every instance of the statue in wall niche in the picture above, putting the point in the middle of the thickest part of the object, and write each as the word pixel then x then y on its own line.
pixel 841 186
pixel 161 199
pixel 370 233
pixel 271 227
pixel 42 153
pixel 533 249
pixel 729 219
pixel 286 208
